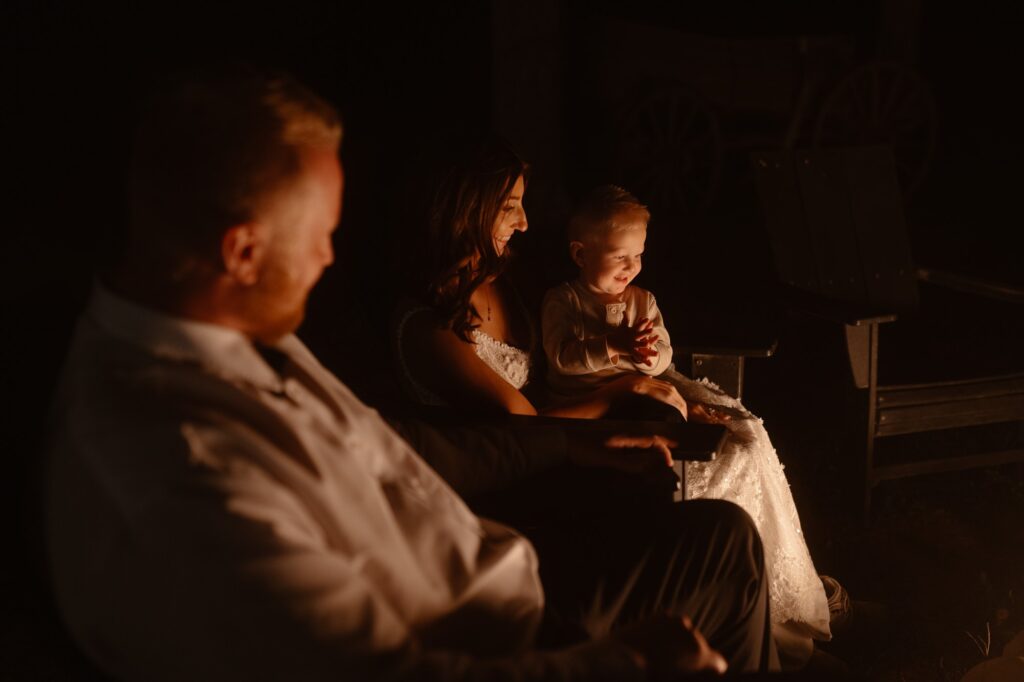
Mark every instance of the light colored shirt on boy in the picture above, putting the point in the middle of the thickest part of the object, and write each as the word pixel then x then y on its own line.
pixel 576 324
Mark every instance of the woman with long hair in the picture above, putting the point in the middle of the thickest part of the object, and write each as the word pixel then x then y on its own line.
pixel 469 345
pixel 470 342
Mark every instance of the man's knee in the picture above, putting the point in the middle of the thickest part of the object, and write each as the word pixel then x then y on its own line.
pixel 728 527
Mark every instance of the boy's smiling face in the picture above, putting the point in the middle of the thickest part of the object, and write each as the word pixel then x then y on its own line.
pixel 607 266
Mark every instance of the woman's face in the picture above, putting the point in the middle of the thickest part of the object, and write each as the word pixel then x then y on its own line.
pixel 511 217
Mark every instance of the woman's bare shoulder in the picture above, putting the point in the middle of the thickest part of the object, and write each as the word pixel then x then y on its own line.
pixel 427 340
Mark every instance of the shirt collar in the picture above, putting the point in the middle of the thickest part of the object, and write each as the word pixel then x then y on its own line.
pixel 223 351
pixel 584 292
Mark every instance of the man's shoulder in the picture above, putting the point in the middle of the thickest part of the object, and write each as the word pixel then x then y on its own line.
pixel 147 426
pixel 125 389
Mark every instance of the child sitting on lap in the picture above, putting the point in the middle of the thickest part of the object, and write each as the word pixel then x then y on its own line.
pixel 598 326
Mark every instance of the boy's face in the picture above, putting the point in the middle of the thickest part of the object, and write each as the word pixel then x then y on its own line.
pixel 608 266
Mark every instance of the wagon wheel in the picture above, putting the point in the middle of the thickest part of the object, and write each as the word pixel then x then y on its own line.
pixel 881 103
pixel 669 150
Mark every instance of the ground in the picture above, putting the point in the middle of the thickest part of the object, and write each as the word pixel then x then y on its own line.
pixel 944 553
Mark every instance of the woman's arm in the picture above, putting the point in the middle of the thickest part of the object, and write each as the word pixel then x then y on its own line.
pixel 449 367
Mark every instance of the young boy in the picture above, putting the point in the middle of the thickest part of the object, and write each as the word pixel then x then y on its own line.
pixel 599 326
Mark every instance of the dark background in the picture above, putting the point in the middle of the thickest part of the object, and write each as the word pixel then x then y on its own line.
pixel 409 80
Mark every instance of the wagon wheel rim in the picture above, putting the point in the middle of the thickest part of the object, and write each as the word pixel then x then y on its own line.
pixel 669 151
pixel 882 103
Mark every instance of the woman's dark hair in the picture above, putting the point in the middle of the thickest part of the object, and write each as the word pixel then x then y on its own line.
pixel 460 252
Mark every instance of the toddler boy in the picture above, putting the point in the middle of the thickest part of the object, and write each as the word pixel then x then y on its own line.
pixel 598 326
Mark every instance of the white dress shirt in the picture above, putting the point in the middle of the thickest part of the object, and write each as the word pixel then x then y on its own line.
pixel 211 517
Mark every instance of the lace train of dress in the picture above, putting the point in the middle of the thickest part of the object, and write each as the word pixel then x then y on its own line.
pixel 748 473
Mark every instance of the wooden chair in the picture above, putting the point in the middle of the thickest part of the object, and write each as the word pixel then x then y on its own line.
pixel 841 250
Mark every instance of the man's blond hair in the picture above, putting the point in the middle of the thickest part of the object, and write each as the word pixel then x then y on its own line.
pixel 601 212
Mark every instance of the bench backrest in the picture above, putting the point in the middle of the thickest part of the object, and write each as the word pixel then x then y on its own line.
pixel 836 224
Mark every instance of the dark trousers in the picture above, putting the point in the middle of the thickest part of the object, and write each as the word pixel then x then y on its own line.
pixel 614 548
pixel 702 559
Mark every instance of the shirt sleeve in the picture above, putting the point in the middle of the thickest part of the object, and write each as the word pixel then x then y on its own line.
pixel 480 459
pixel 567 350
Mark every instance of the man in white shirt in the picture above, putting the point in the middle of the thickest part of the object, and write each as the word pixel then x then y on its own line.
pixel 220 506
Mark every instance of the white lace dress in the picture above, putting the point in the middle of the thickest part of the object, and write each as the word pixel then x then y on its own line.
pixel 747 472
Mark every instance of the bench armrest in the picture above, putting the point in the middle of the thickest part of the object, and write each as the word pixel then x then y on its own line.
pixel 971 285
pixel 764 349
pixel 843 312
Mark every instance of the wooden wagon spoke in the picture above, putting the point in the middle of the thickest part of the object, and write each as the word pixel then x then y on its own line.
pixel 894 92
pixel 673 108
pixel 874 91
pixel 690 118
pixel 669 147
pixel 655 124
pixel 882 103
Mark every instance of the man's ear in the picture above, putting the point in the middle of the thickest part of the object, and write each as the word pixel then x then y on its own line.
pixel 242 249
pixel 576 252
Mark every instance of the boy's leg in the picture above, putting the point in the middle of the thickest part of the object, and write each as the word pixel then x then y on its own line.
pixel 702 559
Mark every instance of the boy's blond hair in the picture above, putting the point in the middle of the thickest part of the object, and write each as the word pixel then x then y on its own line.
pixel 597 215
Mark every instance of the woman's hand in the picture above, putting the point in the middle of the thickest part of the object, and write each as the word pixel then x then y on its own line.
pixel 703 413
pixel 658 389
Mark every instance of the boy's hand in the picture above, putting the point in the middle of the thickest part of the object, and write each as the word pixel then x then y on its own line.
pixel 642 356
pixel 635 341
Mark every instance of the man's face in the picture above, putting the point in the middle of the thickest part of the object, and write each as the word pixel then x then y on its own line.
pixel 300 220
pixel 608 267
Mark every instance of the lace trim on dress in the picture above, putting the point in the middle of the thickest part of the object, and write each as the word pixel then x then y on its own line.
pixel 510 363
